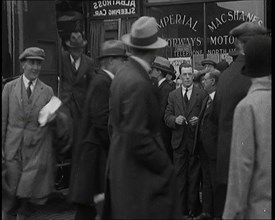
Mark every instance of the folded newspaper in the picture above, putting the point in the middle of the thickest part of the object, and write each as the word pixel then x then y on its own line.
pixel 47 113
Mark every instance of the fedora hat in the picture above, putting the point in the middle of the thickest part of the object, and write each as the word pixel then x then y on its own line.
pixel 247 29
pixel 112 48
pixel 32 53
pixel 163 64
pixel 76 40
pixel 257 57
pixel 143 34
pixel 208 61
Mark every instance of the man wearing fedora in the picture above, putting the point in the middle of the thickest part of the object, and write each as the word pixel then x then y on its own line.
pixel 249 192
pixel 232 87
pixel 77 71
pixel 27 150
pixel 93 141
pixel 140 178
pixel 160 68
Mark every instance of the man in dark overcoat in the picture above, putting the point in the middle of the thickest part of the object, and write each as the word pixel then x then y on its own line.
pixel 181 115
pixel 87 177
pixel 205 144
pixel 160 68
pixel 140 177
pixel 77 71
pixel 232 87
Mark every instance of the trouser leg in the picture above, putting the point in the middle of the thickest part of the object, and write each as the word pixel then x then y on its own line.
pixel 85 212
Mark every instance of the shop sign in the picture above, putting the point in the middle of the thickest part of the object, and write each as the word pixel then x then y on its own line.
pixel 183 25
pixel 111 9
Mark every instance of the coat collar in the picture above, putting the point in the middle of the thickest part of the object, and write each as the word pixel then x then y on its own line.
pixel 263 83
pixel 140 69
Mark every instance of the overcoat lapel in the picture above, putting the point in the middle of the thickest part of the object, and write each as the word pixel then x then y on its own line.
pixel 18 87
pixel 80 71
pixel 37 91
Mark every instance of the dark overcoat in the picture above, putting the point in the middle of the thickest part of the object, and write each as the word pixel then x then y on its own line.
pixel 140 179
pixel 164 89
pixel 88 170
pixel 74 84
pixel 206 134
pixel 231 88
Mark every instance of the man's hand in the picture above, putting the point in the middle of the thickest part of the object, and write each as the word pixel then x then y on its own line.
pixel 194 120
pixel 180 120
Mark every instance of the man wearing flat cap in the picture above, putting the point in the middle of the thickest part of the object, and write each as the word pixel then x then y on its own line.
pixel 26 144
pixel 140 177
pixel 160 68
pixel 87 178
pixel 249 191
pixel 208 64
pixel 232 87
pixel 77 70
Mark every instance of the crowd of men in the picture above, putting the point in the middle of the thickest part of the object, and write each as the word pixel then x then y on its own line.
pixel 139 145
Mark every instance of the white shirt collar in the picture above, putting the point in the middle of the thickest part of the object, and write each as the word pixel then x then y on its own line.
pixel 161 81
pixel 143 63
pixel 212 95
pixel 77 62
pixel 189 88
pixel 26 82
pixel 109 73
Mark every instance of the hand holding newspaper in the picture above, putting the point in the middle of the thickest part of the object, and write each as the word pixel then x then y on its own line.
pixel 47 113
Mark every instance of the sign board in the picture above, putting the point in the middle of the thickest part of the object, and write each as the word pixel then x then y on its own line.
pixel 176 62
pixel 112 9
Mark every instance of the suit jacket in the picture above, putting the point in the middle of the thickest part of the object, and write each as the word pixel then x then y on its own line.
pixel 183 136
pixel 206 131
pixel 21 131
pixel 74 85
pixel 249 192
pixel 231 88
pixel 87 178
pixel 139 171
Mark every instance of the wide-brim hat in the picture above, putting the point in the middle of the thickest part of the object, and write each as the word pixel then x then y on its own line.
pixel 257 57
pixel 143 34
pixel 208 61
pixel 76 40
pixel 247 29
pixel 113 48
pixel 32 53
pixel 163 64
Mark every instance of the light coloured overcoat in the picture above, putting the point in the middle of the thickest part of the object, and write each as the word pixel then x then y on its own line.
pixel 249 180
pixel 27 147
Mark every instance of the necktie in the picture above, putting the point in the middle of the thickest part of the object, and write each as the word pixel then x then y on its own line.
pixel 185 97
pixel 29 91
pixel 208 101
pixel 74 65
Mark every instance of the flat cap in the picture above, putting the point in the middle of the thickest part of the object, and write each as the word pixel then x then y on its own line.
pixel 33 53
pixel 163 64
pixel 248 29
pixel 208 61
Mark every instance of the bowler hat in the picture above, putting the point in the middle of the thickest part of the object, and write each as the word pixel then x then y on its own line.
pixel 208 61
pixel 248 29
pixel 143 34
pixel 257 57
pixel 76 40
pixel 163 64
pixel 113 48
pixel 33 53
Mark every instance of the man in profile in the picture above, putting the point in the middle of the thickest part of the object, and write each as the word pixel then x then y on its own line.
pixel 140 178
